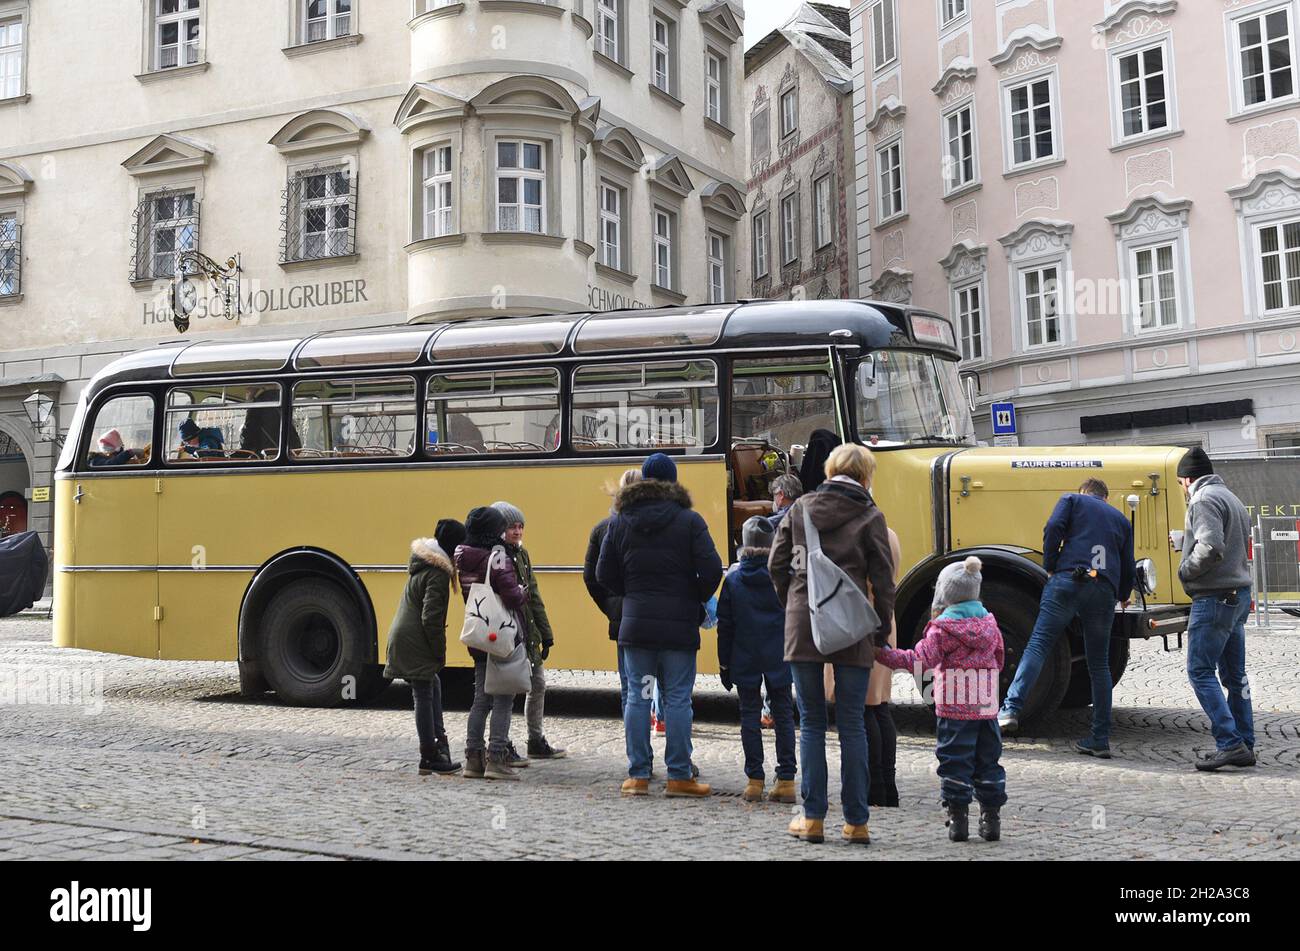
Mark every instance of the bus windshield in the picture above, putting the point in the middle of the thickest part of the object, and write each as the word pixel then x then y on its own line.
pixel 907 397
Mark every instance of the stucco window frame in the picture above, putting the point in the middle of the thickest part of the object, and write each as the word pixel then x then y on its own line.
pixel 149 60
pixel 419 148
pixel 819 176
pixel 620 57
pixel 761 108
pixel 15 208
pixel 951 24
pixel 1037 244
pixel 899 213
pixel 348 161
pixel 622 187
pixel 714 226
pixel 762 211
pixel 789 88
pixel 789 194
pixel 1173 125
pixel 663 10
pixel 966 267
pixel 661 206
pixel 552 141
pixel 723 55
pixel 880 65
pixel 1005 88
pixel 1271 198
pixel 1148 223
pixel 977 179
pixel 20 11
pixel 1237 109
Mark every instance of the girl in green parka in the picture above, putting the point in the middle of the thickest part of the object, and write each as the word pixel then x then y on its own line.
pixel 417 640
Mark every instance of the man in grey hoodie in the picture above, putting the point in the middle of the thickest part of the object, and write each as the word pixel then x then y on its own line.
pixel 1214 571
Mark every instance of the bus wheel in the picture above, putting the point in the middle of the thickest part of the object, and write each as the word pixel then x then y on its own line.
pixel 314 645
pixel 1079 693
pixel 1016 611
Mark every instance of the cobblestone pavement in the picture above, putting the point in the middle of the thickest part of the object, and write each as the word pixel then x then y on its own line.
pixel 177 765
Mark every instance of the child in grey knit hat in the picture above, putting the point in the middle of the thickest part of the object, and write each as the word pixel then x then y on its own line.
pixel 957 583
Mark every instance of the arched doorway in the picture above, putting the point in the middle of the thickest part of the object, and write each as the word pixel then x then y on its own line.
pixel 15 482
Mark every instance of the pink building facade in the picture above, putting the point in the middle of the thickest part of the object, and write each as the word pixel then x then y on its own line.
pixel 1104 195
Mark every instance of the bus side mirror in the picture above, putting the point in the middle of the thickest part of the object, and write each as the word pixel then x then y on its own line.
pixel 867 380
pixel 972 384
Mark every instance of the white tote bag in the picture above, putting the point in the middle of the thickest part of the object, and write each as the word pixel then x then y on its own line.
pixel 489 625
pixel 841 614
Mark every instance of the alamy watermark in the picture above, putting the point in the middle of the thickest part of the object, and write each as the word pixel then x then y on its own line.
pixel 52 687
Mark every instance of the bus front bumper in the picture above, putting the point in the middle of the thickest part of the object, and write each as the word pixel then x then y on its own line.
pixel 1155 620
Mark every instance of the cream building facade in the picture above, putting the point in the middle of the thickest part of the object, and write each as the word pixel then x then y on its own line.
pixel 371 161
pixel 798 113
pixel 1105 196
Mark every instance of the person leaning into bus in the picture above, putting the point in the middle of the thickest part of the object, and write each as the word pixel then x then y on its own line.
pixel 539 639
pixel 855 537
pixel 483 528
pixel 417 640
pixel 1215 572
pixel 1088 553
pixel 658 555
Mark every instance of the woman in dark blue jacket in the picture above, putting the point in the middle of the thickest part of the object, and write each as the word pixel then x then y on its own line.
pixel 659 557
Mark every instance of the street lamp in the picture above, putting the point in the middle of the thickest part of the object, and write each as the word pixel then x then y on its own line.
pixel 40 413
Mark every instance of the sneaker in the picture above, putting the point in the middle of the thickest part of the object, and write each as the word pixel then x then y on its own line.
pixel 1239 755
pixel 498 767
pixel 513 758
pixel 1090 748
pixel 1008 722
pixel 635 787
pixel 538 748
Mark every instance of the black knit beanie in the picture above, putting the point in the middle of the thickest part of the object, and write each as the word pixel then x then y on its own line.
pixel 1195 464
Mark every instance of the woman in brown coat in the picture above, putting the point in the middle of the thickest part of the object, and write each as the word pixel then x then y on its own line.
pixel 854 536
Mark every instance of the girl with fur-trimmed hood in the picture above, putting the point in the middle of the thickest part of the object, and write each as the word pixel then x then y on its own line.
pixel 417 639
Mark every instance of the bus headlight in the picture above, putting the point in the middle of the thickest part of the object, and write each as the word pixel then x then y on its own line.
pixel 1146 576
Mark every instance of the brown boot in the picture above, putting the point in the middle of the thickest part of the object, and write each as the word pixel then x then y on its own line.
pixel 783 791
pixel 687 789
pixel 753 791
pixel 475 760
pixel 858 835
pixel 635 787
pixel 807 830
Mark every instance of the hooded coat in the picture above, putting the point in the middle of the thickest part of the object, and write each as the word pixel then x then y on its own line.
pixel 417 639
pixel 659 557
pixel 610 604
pixel 963 646
pixel 751 624
pixel 854 536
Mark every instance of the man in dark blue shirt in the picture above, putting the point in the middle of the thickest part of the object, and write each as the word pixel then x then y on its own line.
pixel 1088 553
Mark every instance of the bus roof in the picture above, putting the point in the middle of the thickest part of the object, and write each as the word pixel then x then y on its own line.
pixel 745 325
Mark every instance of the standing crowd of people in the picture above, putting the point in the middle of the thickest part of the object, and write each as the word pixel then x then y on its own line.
pixel 653 570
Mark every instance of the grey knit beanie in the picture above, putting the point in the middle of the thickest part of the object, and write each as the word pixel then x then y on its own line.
pixel 512 514
pixel 757 533
pixel 957 583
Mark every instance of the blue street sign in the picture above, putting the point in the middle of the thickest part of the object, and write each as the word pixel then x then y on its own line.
pixel 1004 419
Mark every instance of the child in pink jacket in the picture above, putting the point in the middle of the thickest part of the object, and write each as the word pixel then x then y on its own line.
pixel 963 647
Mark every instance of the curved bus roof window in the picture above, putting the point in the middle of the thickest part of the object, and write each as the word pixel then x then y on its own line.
pixel 494 411
pixel 504 337
pixel 205 358
pixel 652 329
pixel 351 349
pixel 335 419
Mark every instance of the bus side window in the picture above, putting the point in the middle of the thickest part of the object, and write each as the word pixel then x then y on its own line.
pixel 335 419
pixel 122 434
pixel 493 411
pixel 226 422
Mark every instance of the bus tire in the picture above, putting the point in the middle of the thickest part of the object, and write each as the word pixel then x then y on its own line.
pixel 1016 610
pixel 314 646
pixel 1079 693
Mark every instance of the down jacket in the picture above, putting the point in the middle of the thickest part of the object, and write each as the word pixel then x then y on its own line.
pixel 417 639
pixel 659 557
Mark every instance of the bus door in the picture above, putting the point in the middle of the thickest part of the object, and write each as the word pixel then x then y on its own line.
pixel 115 532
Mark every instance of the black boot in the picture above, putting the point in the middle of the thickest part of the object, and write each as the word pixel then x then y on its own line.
pixel 442 761
pixel 875 775
pixel 958 821
pixel 990 823
pixel 891 788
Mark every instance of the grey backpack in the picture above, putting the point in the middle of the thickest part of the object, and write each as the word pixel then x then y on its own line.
pixel 841 614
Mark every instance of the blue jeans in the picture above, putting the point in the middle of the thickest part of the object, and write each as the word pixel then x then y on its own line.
pixel 1216 638
pixel 1063 600
pixel 968 752
pixel 675 673
pixel 751 731
pixel 850 700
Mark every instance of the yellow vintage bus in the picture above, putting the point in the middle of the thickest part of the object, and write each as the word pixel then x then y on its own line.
pixel 262 502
